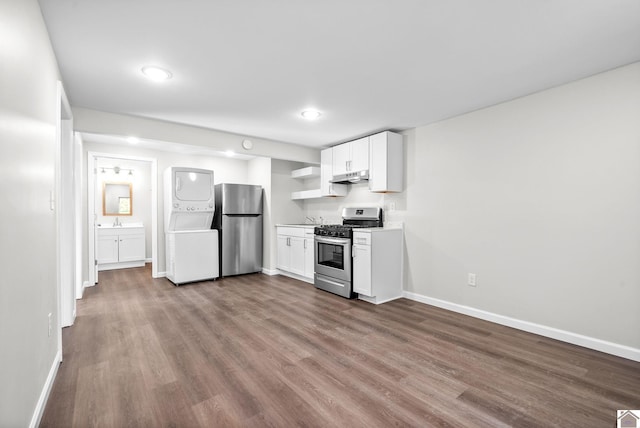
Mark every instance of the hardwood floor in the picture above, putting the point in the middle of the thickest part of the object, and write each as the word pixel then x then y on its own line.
pixel 258 351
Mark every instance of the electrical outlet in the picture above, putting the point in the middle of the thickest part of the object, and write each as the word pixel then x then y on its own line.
pixel 392 206
pixel 471 279
pixel 50 319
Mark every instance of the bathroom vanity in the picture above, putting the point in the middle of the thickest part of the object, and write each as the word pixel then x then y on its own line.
pixel 119 247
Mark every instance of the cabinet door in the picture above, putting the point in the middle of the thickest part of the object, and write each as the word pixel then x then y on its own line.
pixel 296 246
pixel 341 158
pixel 284 253
pixel 326 171
pixel 362 269
pixel 326 174
pixel 131 248
pixel 309 259
pixel 359 154
pixel 107 251
pixel 386 162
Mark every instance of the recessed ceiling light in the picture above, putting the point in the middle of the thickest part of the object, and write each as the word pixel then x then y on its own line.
pixel 310 114
pixel 133 140
pixel 156 74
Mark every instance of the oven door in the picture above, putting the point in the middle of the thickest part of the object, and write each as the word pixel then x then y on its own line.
pixel 333 257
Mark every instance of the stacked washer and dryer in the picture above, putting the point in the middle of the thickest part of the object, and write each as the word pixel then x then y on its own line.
pixel 191 244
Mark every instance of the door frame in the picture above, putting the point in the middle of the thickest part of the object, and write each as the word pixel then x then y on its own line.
pixel 92 215
pixel 65 212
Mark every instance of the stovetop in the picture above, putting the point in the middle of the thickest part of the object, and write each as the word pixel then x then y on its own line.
pixel 338 230
pixel 352 218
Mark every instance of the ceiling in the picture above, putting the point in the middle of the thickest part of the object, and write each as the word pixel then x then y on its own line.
pixel 251 66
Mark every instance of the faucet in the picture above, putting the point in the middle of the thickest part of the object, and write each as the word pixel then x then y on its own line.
pixel 117 222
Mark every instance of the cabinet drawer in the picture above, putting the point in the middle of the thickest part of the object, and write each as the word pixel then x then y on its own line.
pixel 291 231
pixel 361 238
pixel 118 231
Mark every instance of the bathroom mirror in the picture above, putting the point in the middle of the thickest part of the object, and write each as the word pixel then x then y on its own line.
pixel 117 199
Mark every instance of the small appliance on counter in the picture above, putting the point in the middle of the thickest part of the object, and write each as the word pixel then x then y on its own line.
pixel 191 244
pixel 333 243
pixel 238 220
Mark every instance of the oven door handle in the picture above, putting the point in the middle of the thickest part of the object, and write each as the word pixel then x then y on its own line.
pixel 339 284
pixel 333 241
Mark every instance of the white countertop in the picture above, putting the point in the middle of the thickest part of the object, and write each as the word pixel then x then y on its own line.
pixel 363 229
pixel 122 226
pixel 377 229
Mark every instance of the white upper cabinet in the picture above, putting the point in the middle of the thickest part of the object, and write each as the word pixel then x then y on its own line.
pixel 359 154
pixel 381 155
pixel 351 157
pixel 341 158
pixel 386 169
pixel 326 174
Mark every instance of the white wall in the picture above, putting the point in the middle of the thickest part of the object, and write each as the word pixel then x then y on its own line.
pixel 283 209
pixel 259 172
pixel 28 78
pixel 540 197
pixel 99 122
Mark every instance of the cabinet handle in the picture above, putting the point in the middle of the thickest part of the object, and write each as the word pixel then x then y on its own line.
pixel 305 244
pixel 353 251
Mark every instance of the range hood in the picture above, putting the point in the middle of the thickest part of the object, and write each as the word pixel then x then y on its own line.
pixel 351 177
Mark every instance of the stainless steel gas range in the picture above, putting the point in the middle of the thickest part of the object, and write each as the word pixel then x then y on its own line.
pixel 333 263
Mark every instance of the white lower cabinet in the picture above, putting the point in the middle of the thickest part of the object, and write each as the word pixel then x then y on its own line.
pixel 309 258
pixel 361 269
pixel 295 251
pixel 119 248
pixel 377 264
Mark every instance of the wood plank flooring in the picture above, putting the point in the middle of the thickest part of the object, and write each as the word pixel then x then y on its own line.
pixel 254 351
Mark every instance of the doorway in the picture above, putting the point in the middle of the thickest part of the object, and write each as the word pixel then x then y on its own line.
pixel 142 173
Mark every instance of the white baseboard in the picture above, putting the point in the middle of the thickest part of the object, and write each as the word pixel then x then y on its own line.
pixel 87 284
pixel 269 272
pixel 160 275
pixel 551 332
pixel 294 276
pixel 374 301
pixel 44 395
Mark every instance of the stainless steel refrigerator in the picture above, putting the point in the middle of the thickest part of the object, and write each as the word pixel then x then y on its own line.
pixel 238 219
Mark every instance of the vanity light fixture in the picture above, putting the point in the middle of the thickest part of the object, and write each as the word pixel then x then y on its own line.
pixel 116 169
pixel 157 74
pixel 310 114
